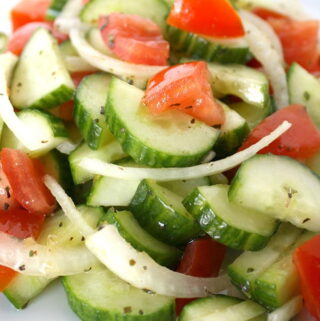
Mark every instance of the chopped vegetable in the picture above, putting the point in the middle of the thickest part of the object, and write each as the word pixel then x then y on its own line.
pixel 301 141
pixel 134 39
pixel 211 18
pixel 184 87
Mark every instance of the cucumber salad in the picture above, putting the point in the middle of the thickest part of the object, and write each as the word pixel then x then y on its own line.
pixel 161 158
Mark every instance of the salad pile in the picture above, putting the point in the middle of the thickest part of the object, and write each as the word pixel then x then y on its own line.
pixel 144 141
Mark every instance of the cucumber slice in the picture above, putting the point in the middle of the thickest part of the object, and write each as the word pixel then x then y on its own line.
pixel 8 62
pixel 250 265
pixel 141 240
pixel 89 111
pixel 250 85
pixel 233 132
pixel 101 295
pixel 161 213
pixel 109 191
pixel 57 231
pixel 3 42
pixel 185 187
pixel 211 50
pixel 304 89
pixel 23 288
pixel 50 128
pixel 95 40
pixel 156 10
pixel 67 49
pixel 314 163
pixel 40 79
pixel 168 140
pixel 56 164
pixel 280 282
pixel 251 114
pixel 204 306
pixel 55 9
pixel 280 187
pixel 108 153
pixel 227 223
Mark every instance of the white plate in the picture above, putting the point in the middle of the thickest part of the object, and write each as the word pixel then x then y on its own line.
pixel 52 305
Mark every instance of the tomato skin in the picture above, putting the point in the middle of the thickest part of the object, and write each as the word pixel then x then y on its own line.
pixel 134 39
pixel 27 11
pixel 307 261
pixel 201 258
pixel 301 141
pixel 22 35
pixel 25 178
pixel 6 276
pixel 185 87
pixel 206 17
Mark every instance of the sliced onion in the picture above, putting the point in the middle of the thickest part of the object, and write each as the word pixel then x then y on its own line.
pixel 141 271
pixel 69 17
pixel 31 258
pixel 110 64
pixel 266 29
pixel 67 147
pixel 24 133
pixel 98 167
pixel 68 206
pixel 288 311
pixel 261 47
pixel 77 64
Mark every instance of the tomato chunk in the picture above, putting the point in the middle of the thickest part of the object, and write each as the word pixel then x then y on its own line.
pixel 201 258
pixel 185 87
pixel 29 11
pixel 206 17
pixel 307 261
pixel 134 39
pixel 299 39
pixel 7 201
pixel 301 141
pixel 6 276
pixel 25 178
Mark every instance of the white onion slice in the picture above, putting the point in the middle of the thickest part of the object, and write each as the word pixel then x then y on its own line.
pixel 110 64
pixel 68 206
pixel 266 29
pixel 31 258
pixel 261 47
pixel 24 134
pixel 141 271
pixel 67 147
pixel 77 64
pixel 287 311
pixel 69 17
pixel 98 167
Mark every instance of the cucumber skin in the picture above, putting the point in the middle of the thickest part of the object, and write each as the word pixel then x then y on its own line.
pixel 149 211
pixel 88 313
pixel 168 260
pixel 229 142
pixel 91 130
pixel 55 9
pixel 218 229
pixel 196 47
pixel 141 153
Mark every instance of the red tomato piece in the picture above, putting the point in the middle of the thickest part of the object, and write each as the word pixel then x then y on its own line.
pixel 185 87
pixel 7 200
pixel 20 223
pixel 29 11
pixel 301 141
pixel 6 276
pixel 213 18
pixel 25 178
pixel 201 258
pixel 134 39
pixel 307 261
pixel 266 14
pixel 22 35
pixel 299 40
